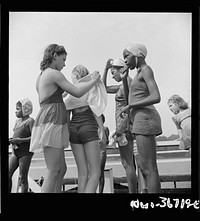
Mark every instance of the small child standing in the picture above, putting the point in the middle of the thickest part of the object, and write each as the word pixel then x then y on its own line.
pixel 182 120
pixel 21 156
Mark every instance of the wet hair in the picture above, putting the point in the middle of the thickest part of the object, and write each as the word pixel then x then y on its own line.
pixel 179 101
pixel 49 53
pixel 79 72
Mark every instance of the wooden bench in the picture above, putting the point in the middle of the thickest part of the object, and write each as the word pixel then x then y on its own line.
pixel 163 178
pixel 175 178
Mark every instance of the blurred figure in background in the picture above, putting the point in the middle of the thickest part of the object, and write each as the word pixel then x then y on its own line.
pixel 182 120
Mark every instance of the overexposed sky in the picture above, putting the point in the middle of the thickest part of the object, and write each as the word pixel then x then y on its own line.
pixel 90 39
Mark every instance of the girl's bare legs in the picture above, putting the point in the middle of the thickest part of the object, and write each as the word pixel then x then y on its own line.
pixel 52 158
pixel 147 150
pixel 103 156
pixel 24 164
pixel 142 188
pixel 58 186
pixel 13 165
pixel 92 152
pixel 126 153
pixel 82 166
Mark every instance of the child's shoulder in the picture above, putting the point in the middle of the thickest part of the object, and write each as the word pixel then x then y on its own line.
pixel 30 120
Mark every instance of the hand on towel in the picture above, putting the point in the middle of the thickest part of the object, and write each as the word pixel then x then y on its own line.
pixel 96 76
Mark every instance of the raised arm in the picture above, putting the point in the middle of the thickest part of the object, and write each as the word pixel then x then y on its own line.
pixel 112 89
pixel 79 91
pixel 125 84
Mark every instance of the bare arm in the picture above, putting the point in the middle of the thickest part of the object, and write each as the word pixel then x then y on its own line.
pixel 179 130
pixel 125 84
pixel 180 133
pixel 112 89
pixel 99 122
pixel 79 91
pixel 101 127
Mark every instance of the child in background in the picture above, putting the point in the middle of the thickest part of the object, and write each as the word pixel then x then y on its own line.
pixel 182 120
pixel 21 156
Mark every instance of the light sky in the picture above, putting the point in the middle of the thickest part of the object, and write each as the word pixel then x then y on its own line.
pixel 90 39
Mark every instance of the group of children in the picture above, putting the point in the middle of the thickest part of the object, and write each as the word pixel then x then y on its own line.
pixel 73 112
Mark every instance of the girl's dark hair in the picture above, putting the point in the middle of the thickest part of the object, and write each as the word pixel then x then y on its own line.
pixel 179 101
pixel 49 53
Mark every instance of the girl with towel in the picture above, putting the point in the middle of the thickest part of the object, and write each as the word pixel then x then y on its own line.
pixel 143 94
pixel 50 130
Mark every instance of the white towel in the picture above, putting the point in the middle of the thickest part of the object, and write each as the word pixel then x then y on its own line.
pixel 96 98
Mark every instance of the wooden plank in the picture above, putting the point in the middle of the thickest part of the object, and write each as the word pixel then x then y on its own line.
pixel 70 181
pixel 175 178
pixel 163 178
pixel 164 190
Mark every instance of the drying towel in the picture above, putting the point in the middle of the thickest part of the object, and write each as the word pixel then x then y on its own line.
pixel 96 98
